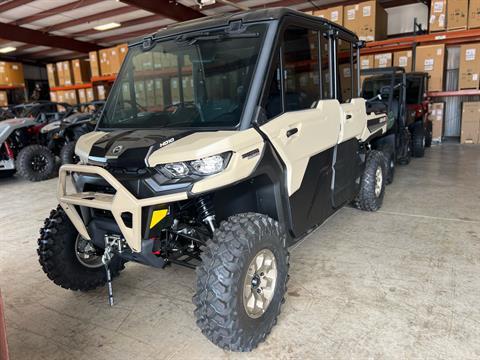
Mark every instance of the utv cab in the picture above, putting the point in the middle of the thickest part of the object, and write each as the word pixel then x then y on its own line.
pixel 223 141
pixel 385 91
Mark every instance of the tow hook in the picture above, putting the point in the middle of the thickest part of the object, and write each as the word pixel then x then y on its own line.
pixel 113 243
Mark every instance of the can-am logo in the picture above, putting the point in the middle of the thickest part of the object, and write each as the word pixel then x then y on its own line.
pixel 117 149
pixel 166 142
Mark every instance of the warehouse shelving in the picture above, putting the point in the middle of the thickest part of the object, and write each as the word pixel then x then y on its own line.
pixel 470 92
pixel 71 87
pixel 409 42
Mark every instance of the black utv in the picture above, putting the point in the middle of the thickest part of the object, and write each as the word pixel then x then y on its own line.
pixel 237 141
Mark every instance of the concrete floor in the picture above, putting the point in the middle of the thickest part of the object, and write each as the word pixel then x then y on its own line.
pixel 400 283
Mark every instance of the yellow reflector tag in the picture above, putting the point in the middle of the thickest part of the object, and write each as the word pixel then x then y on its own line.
pixel 158 216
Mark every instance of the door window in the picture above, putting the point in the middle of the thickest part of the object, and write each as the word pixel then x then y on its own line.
pixel 301 69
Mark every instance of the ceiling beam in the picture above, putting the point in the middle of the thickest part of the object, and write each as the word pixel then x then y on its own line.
pixel 126 24
pixel 21 34
pixel 55 11
pixel 86 19
pixel 13 4
pixel 169 9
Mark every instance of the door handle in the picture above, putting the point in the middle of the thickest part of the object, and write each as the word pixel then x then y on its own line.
pixel 349 116
pixel 291 132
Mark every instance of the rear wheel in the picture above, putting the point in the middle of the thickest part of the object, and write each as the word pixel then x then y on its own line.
pixel 428 136
pixel 69 260
pixel 241 282
pixel 36 163
pixel 418 141
pixel 372 184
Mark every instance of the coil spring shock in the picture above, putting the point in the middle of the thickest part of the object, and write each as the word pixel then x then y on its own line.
pixel 205 211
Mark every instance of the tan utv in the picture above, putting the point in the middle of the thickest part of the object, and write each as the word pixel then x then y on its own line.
pixel 222 143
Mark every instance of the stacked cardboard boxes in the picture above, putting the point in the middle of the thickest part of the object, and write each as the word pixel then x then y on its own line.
pixel 52 75
pixel 334 14
pixel 107 61
pixel 469 71
pixel 435 115
pixel 403 59
pixel 431 59
pixel 470 133
pixel 367 19
pixel 11 74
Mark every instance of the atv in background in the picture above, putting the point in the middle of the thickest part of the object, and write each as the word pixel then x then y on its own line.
pixel 20 137
pixel 417 111
pixel 385 92
pixel 62 135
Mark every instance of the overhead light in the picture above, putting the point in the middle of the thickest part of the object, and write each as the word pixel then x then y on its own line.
pixel 108 26
pixel 7 49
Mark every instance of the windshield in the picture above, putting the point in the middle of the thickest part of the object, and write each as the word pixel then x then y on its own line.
pixel 195 80
pixel 375 85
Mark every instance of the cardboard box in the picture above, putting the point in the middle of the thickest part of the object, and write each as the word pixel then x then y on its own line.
pixel 457 14
pixel 89 94
pixel 435 115
pixel 382 60
pixel 474 14
pixel 122 52
pixel 81 71
pixel 67 73
pixel 3 98
pixel 82 96
pixel 431 59
pixel 403 59
pixel 60 96
pixel 60 74
pixel 470 123
pixel 334 14
pixel 52 75
pixel 114 58
pixel 438 15
pixel 469 71
pixel 367 19
pixel 53 96
pixel 14 74
pixel 94 65
pixel 104 59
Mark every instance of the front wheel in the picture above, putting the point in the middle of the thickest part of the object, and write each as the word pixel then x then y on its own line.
pixel 67 153
pixel 241 282
pixel 372 183
pixel 36 163
pixel 69 260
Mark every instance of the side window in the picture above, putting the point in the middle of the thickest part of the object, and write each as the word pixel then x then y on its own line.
pixel 325 62
pixel 273 104
pixel 346 81
pixel 301 70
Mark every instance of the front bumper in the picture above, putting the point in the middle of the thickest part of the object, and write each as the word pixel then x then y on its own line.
pixel 121 202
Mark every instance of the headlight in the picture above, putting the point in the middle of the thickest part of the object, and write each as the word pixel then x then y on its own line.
pixel 203 167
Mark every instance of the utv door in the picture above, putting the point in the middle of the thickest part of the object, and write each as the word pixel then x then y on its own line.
pixel 307 122
pixel 302 129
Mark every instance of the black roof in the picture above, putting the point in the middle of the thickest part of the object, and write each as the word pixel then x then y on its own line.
pixel 268 14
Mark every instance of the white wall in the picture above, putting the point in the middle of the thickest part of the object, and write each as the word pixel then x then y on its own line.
pixel 400 18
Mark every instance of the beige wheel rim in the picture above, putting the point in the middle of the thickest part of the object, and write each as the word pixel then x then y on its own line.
pixel 259 284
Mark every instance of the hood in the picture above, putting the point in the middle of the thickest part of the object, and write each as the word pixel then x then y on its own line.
pixel 18 121
pixel 54 125
pixel 126 148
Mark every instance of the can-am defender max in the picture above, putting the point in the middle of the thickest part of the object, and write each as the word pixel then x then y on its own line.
pixel 385 90
pixel 226 150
